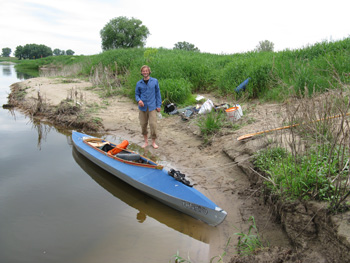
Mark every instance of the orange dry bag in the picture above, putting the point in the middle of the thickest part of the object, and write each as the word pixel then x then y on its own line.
pixel 119 148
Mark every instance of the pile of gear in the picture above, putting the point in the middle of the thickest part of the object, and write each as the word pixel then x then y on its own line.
pixel 179 177
pixel 190 111
pixel 170 108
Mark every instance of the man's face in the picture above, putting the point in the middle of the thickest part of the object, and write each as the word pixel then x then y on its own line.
pixel 145 72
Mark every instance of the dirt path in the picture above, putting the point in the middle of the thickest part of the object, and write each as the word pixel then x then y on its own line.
pixel 211 168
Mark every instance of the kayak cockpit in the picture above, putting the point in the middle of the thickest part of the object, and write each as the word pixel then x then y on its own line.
pixel 122 154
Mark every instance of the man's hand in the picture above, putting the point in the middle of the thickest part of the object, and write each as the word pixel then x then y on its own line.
pixel 141 103
pixel 158 109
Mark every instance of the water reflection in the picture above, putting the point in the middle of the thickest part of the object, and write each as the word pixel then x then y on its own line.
pixel 42 131
pixel 6 70
pixel 23 76
pixel 145 205
pixel 10 109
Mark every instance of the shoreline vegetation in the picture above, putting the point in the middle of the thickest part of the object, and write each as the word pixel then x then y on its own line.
pixel 275 76
pixel 302 172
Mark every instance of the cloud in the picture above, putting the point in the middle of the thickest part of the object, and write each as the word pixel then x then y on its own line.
pixel 222 26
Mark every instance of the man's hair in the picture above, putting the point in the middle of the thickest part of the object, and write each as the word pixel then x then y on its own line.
pixel 145 66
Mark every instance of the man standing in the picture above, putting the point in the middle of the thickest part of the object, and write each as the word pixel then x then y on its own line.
pixel 147 95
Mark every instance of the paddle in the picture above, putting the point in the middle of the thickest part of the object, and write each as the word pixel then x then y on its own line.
pixel 250 135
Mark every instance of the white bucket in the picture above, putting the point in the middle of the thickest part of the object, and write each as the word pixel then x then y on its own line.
pixel 234 113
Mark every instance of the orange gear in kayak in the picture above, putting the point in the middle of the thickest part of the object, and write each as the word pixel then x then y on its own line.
pixel 119 148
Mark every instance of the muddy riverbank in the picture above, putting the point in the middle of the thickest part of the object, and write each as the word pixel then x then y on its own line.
pixel 221 170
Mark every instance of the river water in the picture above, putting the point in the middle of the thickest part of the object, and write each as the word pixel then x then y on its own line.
pixel 56 206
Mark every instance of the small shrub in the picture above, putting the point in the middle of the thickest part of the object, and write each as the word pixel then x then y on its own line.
pixel 211 122
pixel 250 242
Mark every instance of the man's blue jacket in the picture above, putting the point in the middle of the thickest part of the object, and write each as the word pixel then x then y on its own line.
pixel 149 93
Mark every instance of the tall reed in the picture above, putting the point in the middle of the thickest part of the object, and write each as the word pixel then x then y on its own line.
pixel 274 75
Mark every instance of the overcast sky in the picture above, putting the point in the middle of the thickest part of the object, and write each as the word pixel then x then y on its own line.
pixel 215 26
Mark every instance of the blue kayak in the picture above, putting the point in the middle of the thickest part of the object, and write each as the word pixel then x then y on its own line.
pixel 150 178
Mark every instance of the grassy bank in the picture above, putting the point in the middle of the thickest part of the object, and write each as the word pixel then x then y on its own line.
pixel 275 76
pixel 308 167
pixel 311 160
pixel 8 59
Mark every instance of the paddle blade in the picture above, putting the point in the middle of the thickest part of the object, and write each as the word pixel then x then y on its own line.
pixel 245 137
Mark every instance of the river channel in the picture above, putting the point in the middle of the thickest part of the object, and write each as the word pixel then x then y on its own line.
pixel 56 206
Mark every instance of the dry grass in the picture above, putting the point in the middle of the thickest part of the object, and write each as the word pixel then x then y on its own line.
pixel 65 71
pixel 105 77
pixel 321 137
pixel 71 112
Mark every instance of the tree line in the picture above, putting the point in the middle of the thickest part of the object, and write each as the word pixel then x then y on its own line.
pixel 34 51
pixel 120 32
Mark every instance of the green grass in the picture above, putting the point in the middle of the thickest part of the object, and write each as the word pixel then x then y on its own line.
pixel 175 90
pixel 308 176
pixel 275 76
pixel 8 59
pixel 248 244
pixel 211 123
pixel 251 242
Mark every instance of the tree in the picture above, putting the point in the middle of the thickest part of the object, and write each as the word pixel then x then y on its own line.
pixel 6 52
pixel 57 52
pixel 19 52
pixel 70 52
pixel 32 51
pixel 186 46
pixel 265 46
pixel 122 32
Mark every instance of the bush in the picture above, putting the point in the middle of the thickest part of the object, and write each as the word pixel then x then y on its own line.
pixel 211 123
